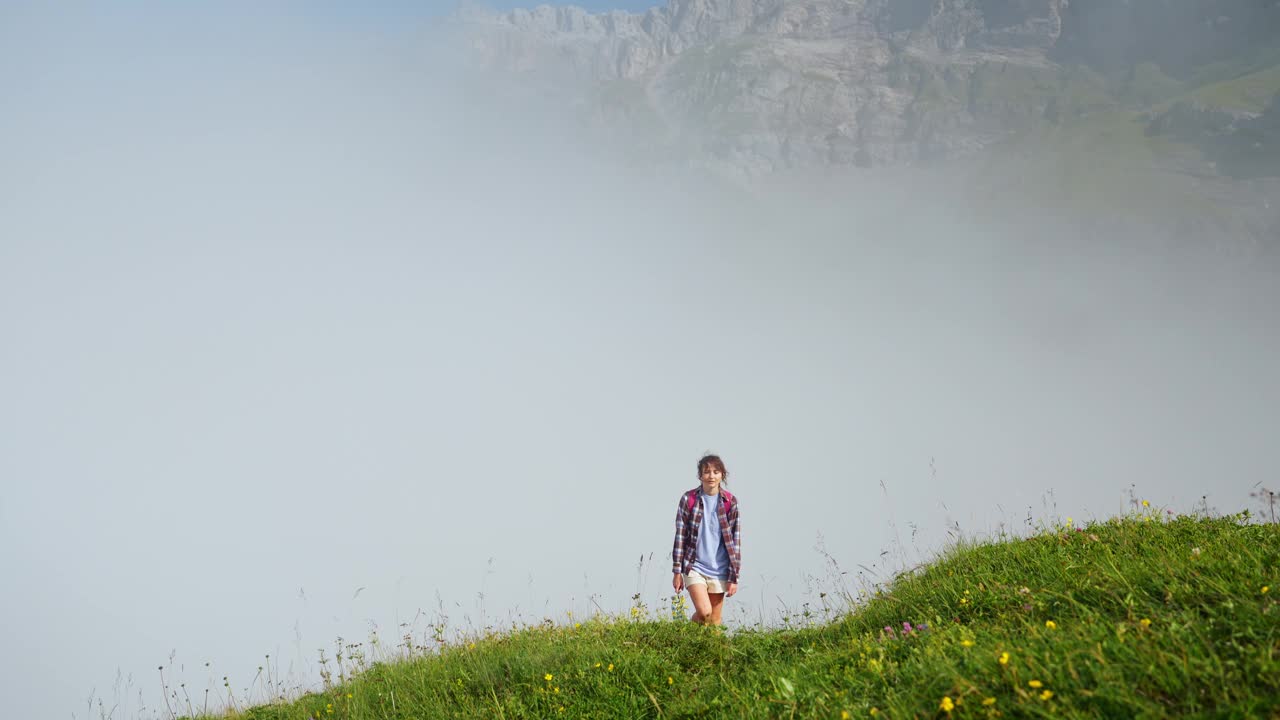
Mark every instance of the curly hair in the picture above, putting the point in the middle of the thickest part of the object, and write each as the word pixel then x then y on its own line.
pixel 715 462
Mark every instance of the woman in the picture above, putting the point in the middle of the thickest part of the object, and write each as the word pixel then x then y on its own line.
pixel 707 557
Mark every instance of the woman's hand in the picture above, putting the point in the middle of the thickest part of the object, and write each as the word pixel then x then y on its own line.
pixel 677 582
pixel 729 591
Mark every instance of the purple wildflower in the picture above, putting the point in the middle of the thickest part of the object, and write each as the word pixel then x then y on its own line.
pixel 906 628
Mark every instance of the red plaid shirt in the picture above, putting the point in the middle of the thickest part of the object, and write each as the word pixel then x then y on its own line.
pixel 688 521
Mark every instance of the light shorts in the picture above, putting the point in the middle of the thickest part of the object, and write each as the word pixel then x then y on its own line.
pixel 714 585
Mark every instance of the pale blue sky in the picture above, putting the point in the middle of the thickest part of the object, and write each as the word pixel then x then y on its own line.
pixel 289 309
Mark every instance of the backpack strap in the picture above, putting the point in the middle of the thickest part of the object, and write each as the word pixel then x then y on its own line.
pixel 692 494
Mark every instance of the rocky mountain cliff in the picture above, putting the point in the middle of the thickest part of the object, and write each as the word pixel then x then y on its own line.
pixel 756 87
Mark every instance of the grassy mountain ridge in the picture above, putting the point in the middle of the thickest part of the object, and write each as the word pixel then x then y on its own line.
pixel 1148 615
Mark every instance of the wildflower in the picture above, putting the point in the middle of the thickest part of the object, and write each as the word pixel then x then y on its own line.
pixel 670 680
pixel 1266 589
pixel 548 677
pixel 635 611
pixel 844 715
pixel 888 630
pixel 597 665
pixel 1046 694
pixel 610 667
pixel 874 711
pixel 964 601
pixel 989 701
pixel 966 642
pixel 906 628
pixel 556 690
pixel 348 696
pixel 1146 504
pixel 1035 683
pixel 1004 658
pixel 1195 552
pixel 577 626
pixel 1051 625
pixel 1145 622
pixel 946 705
pixel 1068 522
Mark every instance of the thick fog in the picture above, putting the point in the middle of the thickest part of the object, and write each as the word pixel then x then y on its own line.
pixel 306 335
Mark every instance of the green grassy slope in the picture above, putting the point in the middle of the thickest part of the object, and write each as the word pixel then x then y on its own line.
pixel 1145 616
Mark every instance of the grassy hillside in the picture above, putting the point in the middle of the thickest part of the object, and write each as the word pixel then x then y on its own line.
pixel 1144 616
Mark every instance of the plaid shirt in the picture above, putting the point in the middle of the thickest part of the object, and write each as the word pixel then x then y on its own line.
pixel 689 521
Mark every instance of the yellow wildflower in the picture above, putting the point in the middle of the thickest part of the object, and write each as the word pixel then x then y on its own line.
pixel 556 690
pixel 1146 504
pixel 548 677
pixel 1035 683
pixel 875 711
pixel 610 667
pixel 348 696
pixel 844 715
pixel 946 705
pixel 1051 624
pixel 966 642
pixel 671 680
pixel 1145 622
pixel 1046 694
pixel 1004 658
pixel 964 601
pixel 596 665
pixel 989 701
pixel 1266 589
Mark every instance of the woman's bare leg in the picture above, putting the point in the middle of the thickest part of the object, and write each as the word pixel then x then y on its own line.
pixel 701 603
pixel 717 606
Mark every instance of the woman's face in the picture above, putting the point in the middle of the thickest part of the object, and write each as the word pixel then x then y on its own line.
pixel 711 477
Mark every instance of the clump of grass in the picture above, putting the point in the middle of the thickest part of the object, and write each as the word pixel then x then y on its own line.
pixel 1148 615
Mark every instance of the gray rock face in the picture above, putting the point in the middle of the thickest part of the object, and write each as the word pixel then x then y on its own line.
pixel 618 44
pixel 771 84
pixel 754 88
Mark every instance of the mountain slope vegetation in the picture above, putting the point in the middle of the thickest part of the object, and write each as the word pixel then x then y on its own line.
pixel 1147 615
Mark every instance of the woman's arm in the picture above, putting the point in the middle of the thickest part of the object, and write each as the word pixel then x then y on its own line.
pixel 735 553
pixel 677 547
